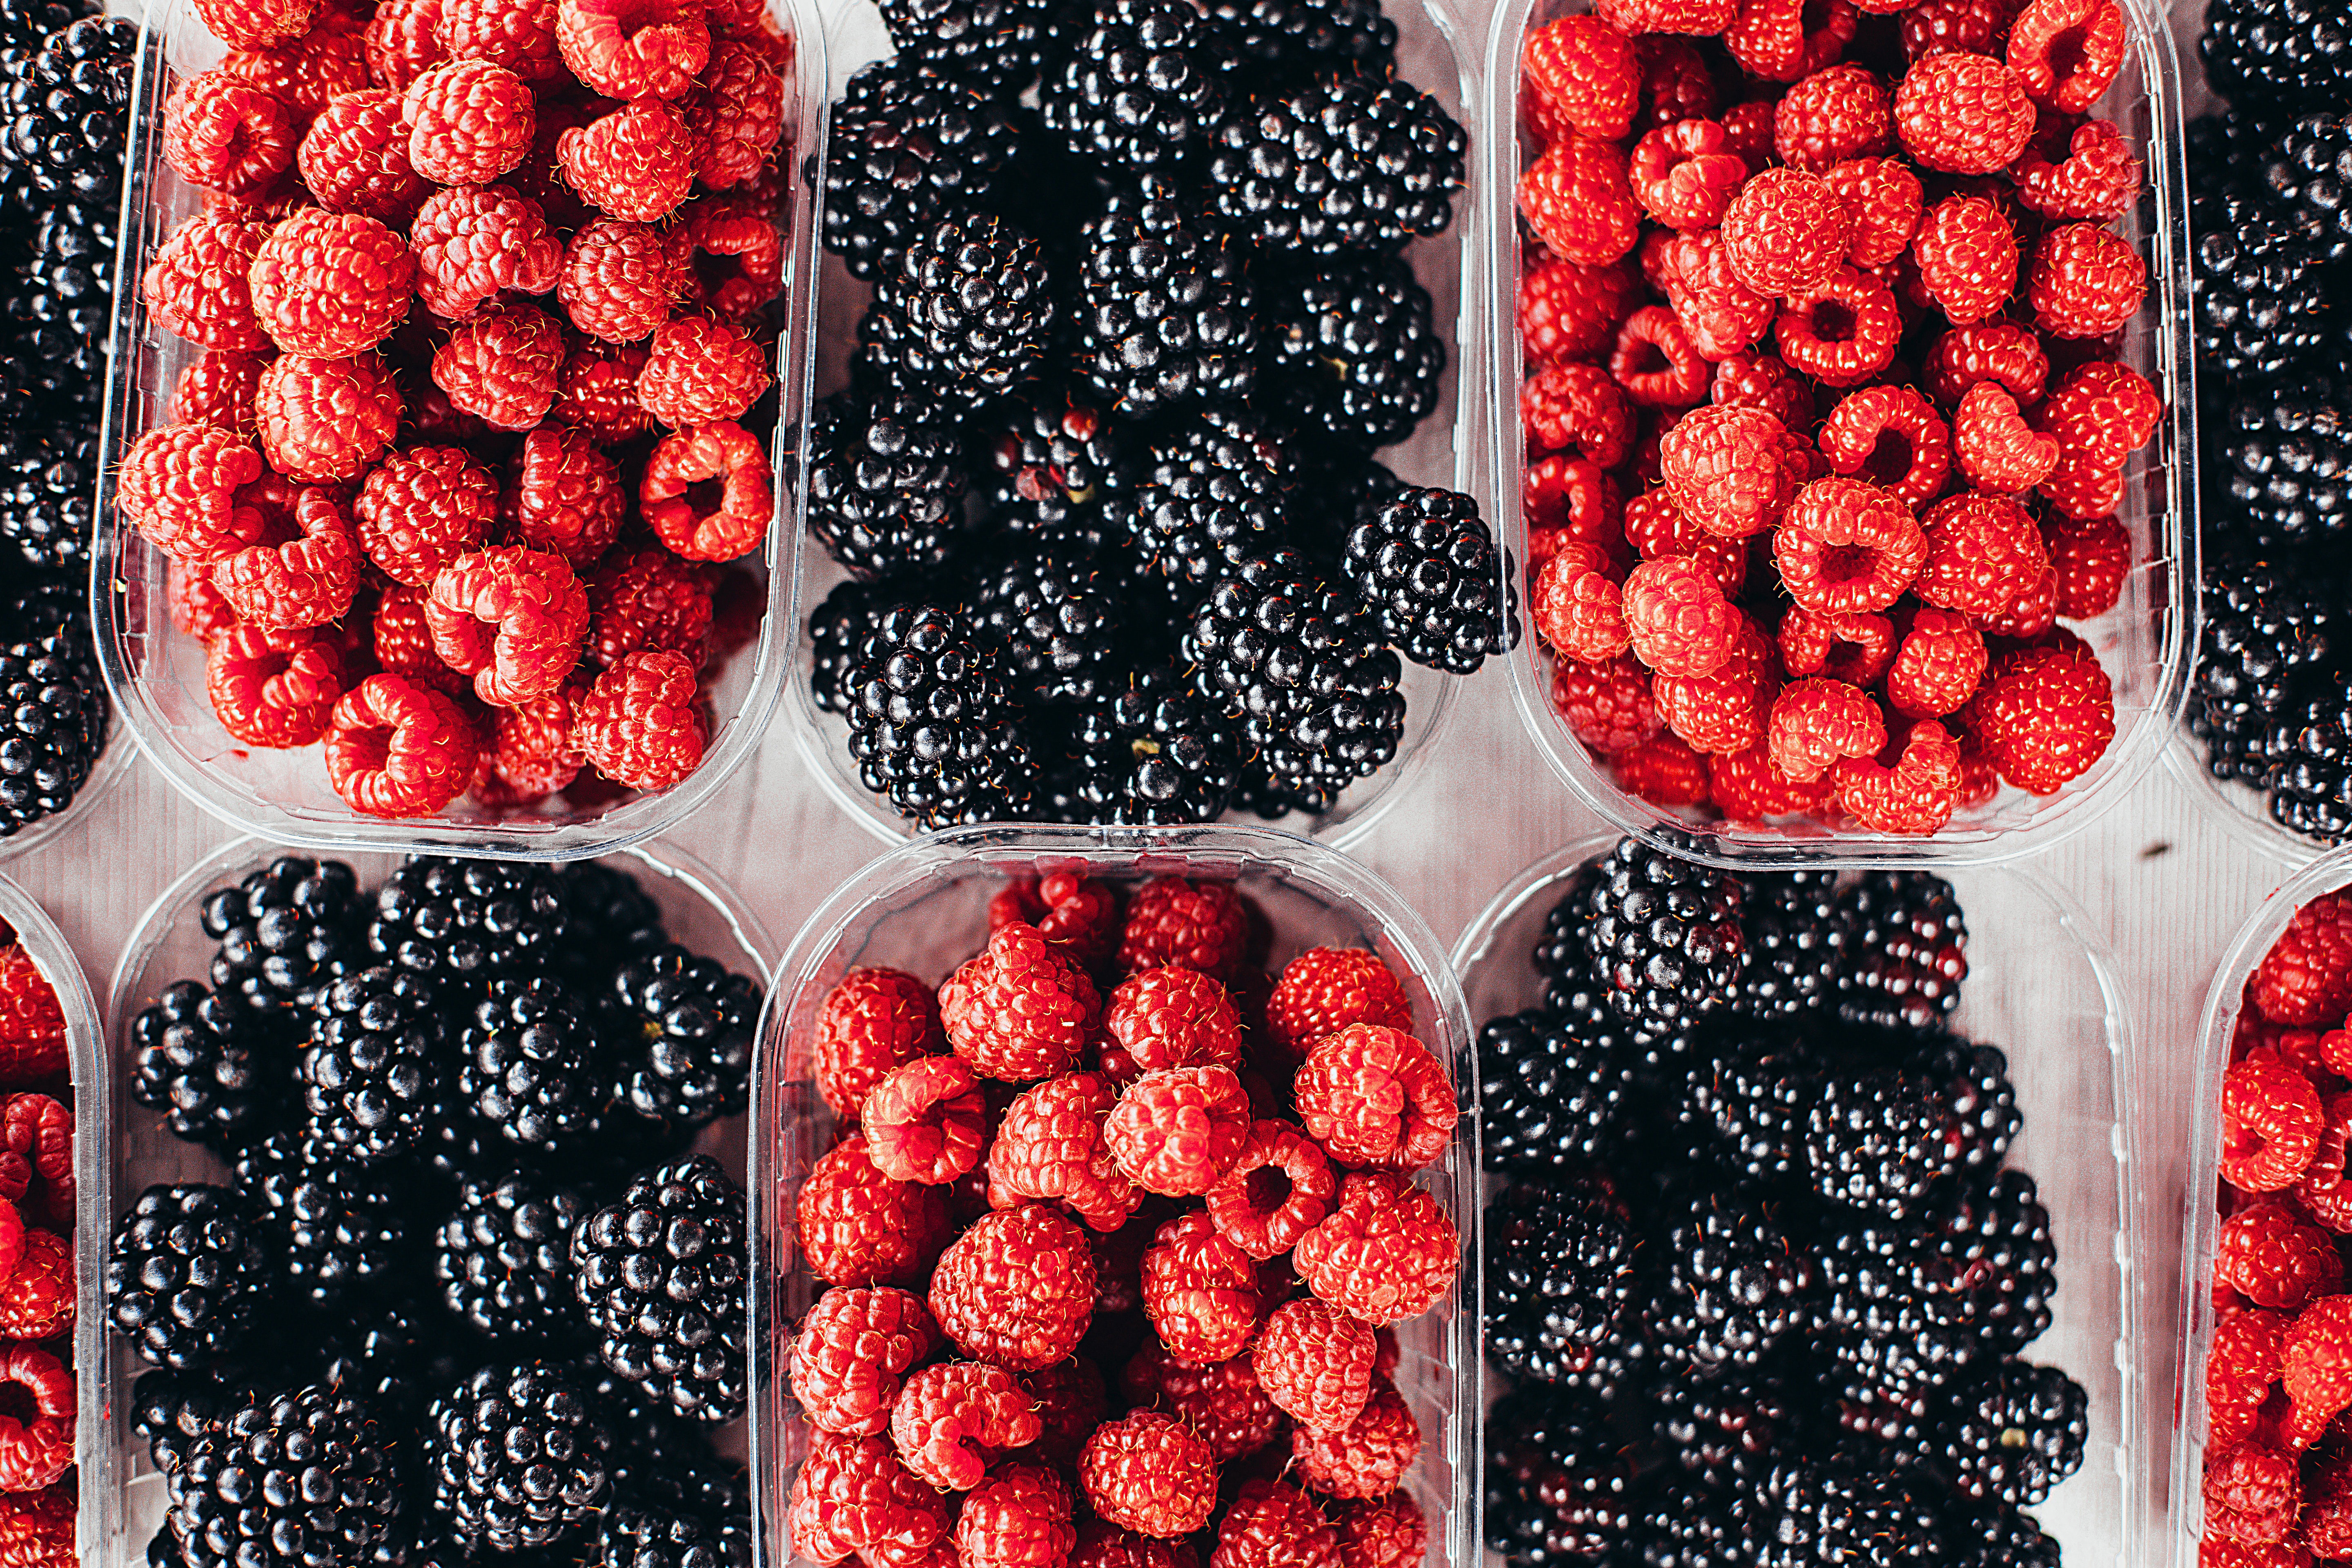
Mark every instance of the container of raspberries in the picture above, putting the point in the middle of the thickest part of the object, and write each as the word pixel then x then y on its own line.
pixel 1175 516
pixel 1850 414
pixel 1807 1236
pixel 435 1161
pixel 1116 1207
pixel 459 356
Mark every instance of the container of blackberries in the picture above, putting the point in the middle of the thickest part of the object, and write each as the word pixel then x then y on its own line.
pixel 1808 1234
pixel 438 1161
pixel 1144 486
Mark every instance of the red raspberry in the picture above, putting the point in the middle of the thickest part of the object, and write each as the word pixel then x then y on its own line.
pixel 1577 604
pixel 1069 912
pixel 1017 1288
pixel 2322 1189
pixel 2042 716
pixel 1609 706
pixel 196 606
pixel 502 366
pixel 1832 115
pixel 1683 175
pixel 1020 1010
pixel 1748 130
pixel 2240 1369
pixel 1655 361
pixel 1845 546
pixel 251 24
pixel 1570 311
pixel 1271 1525
pixel 325 419
pixel 2271 1120
pixel 2085 282
pixel 1372 1095
pixel 1071 1403
pixel 1786 232
pixel 1936 670
pixel 1325 989
pixel 330 284
pixel 1663 771
pixel 619 281
pixel 639 725
pixel 635 162
pixel 1176 1131
pixel 924 1122
pixel 681 469
pixel 469 121
pixel 395 749
pixel 1199 1291
pixel 1579 407
pixel 2306 976
pixel 421 509
pixel 2252 1493
pixel 1200 925
pixel 1680 622
pixel 471 242
pixel 2100 414
pixel 1751 787
pixel 1721 314
pixel 1854 648
pixel 401 42
pixel 37 1440
pixel 227 135
pixel 1018 1518
pixel 1051 1145
pixel 306 73
pixel 1675 81
pixel 850 1352
pixel 178 484
pixel 1936 26
pixel 1982 552
pixel 36 1528
pixel 1727 469
pixel 697 369
pixel 2315 1355
pixel 1891 436
pixel 1999 351
pixel 565 497
pixel 1883 198
pixel 1576 199
pixel 1579 76
pixel 1725 711
pixel 729 262
pixel 857 1227
pixel 2066 53
pixel 954 1419
pixel 32 1024
pixel 871 1021
pixel 402 643
pixel 1843 334
pixel 512 618
pixel 2097 180
pixel 2326 1522
pixel 1368 1456
pixel 1968 258
pixel 217 389
pixel 1277 1188
pixel 1151 1473
pixel 1998 451
pixel 519 36
pixel 1962 114
pixel 2092 556
pixel 736 115
pixel 852 1495
pixel 2081 492
pixel 630 48
pixel 1914 794
pixel 1762 381
pixel 1221 1403
pixel 646 600
pixel 1169 1018
pixel 306 582
pixel 1769 39
pixel 1816 721
pixel 530 754
pixel 1387 1251
pixel 1381 1533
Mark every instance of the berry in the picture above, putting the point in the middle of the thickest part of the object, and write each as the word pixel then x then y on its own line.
pixel 1019 1010
pixel 330 284
pixel 471 242
pixel 851 1353
pixel 639 724
pixel 1272 1523
pixel 1582 77
pixel 1018 1518
pixel 873 1020
pixel 470 121
pixel 852 1494
pixel 1050 1145
pixel 502 366
pixel 1247 1216
pixel 1346 162
pixel 678 480
pixel 2267 1256
pixel 1967 254
pixel 663 1278
pixel 1385 1252
pixel 518 1454
pixel 1373 1095
pixel 325 420
pixel 421 509
pixel 635 162
pixel 2020 1431
pixel 1558 1270
pixel 1151 1473
pixel 1177 1131
pixel 1017 1288
pixel 886 181
pixel 397 749
pixel 374 1046
pixel 2084 282
pixel 504 1260
pixel 309 1473
pixel 1785 232
pixel 1352 353
pixel 965 316
pixel 527 1056
pixel 538 611
pixel 924 1122
pixel 1982 552
pixel 36 1447
pixel 1962 114
pixel 953 1419
pixel 856 1227
pixel 184 1273
pixel 1425 565
pixel 1199 1291
pixel 623 51
pixel 2043 717
pixel 695 1018
pixel 1728 469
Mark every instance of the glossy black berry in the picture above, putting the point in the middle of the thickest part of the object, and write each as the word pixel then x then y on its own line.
pixel 662 1275
pixel 185 1273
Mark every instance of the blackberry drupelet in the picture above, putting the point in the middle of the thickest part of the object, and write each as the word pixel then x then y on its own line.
pixel 464 923
pixel 1154 753
pixel 1906 950
pixel 662 1276
pixel 1426 565
pixel 526 1062
pixel 1055 614
pixel 908 149
pixel 221 1073
pixel 2307 754
pixel 1558 1271
pixel 518 1454
pixel 2290 55
pixel 1796 940
pixel 286 933
pixel 370 1070
pixel 2264 629
pixel 931 725
pixel 335 1230
pixel 1273 43
pixel 53 723
pixel 48 478
pixel 185 1271
pixel 1212 493
pixel 1346 162
pixel 1350 353
pixel 1549 1093
pixel 1732 1281
pixel 1879 1138
pixel 1663 936
pixel 691 1062
pixel 2017 1431
pixel 1757 1089
pixel 1167 314
pixel 2263 305
pixel 504 1258
pixel 837 631
pixel 2289 453
pixel 309 1476
pixel 885 485
pixel 1045 462
pixel 1139 88
pixel 1723 1436
pixel 1842 1514
pixel 1561 1488
pixel 964 319
pixel 993 45
pixel 1690 1525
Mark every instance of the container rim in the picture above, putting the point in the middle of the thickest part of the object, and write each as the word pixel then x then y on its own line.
pixel 2230 806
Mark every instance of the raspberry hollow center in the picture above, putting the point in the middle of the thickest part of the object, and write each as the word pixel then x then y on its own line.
pixel 1832 321
pixel 1891 457
pixel 1267 1189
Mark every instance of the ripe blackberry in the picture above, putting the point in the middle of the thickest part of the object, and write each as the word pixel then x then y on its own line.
pixel 1426 565
pixel 68 102
pixel 1561 955
pixel 1840 1512
pixel 221 1073
pixel 1345 162
pixel 1690 1525
pixel 1054 615
pixel 24 29
pixel 1723 1436
pixel 1664 937
pixel 371 1070
pixel 1972 1082
pixel 2308 170
pixel 694 1513
pixel 397 1352
pixel 172 1409
pixel 48 478
pixel 2307 754
pixel 885 485
pixel 1550 1094
pixel 518 1454
pixel 1558 1270
pixel 694 1018
pixel 837 631
pixel 2287 57
pixel 613 918
pixel 183 1272
pixel 2289 453
pixel 993 45
pixel 1906 950
pixel 464 923
pixel 1046 461
pixel 61 312
pixel 504 1258
pixel 1795 940
pixel 53 723
pixel 1167 314
pixel 1757 1091
pixel 301 1476
pixel 1879 1139
pixel 1350 350
pixel 1152 754
pixel 964 319
pixel 1212 495
pixel 2016 1432
pixel 1274 43
pixel 1982 1259
pixel 1883 1349
pixel 286 933
pixel 908 149
pixel 1734 1281
pixel 2263 302
pixel 1139 88
pixel 335 1230
pixel 662 1276
pixel 526 1061
pixel 2001 1537
pixel 1561 1486
pixel 931 725
pixel 2264 629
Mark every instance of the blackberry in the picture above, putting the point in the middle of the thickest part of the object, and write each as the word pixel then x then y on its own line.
pixel 308 1476
pixel 994 45
pixel 1350 350
pixel 46 602
pixel 1154 753
pixel 885 485
pixel 695 1020
pixel 1346 162
pixel 1734 1281
pixel 2262 295
pixel 2003 1538
pixel 1691 1525
pixel 1558 1270
pixel 837 631
pixel 1426 565
pixel 1845 1514
pixel 1560 954
pixel 1550 1094
pixel 464 923
pixel 69 104
pixel 2307 756
pixel 1559 1487
pixel 1139 88
pixel 53 723
pixel 183 1272
pixel 396 1354
pixel 696 1514
pixel 504 1258
pixel 335 1230
pixel 286 933
pixel 1756 1092
pixel 2264 628
pixel 172 1409
pixel 220 1072
pixel 1795 940
pixel 931 725
pixel 662 1276
pixel 1167 314
pixel 2309 171
pixel 526 1064
pixel 23 28
pixel 613 918
pixel 373 1064
pixel 1274 42
pixel 1887 1356
pixel 1879 1139
pixel 1664 938
pixel 1045 462
pixel 1984 1260
pixel 1054 615
pixel 964 319
pixel 1724 1436
pixel 2016 1432
pixel 2289 453
pixel 1213 494
pixel 47 481
pixel 62 314
pixel 517 1456
pixel 1906 950
pixel 909 147
pixel 1973 1083
pixel 2287 56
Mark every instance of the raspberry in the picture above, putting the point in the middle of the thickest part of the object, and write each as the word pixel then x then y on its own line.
pixel 1721 314
pixel 2306 976
pixel 2100 414
pixel 954 1419
pixel 1968 258
pixel 1883 198
pixel 2066 53
pixel 1020 1010
pixel 1727 469
pixel 502 366
pixel 1962 114
pixel 1998 451
pixel 1747 130
pixel 1387 1251
pixel 1936 670
pixel 1381 1533
pixel 306 582
pixel 1576 199
pixel 2043 716
pixel 1069 912
pixel 325 419
pixel 474 241
pixel 1751 787
pixel 1655 361
pixel 635 162
pixel 178 484
pixel 630 48
pixel 1071 1403
pixel 2092 556
pixel 872 1020
pixel 401 42
pixel 729 263
pixel 1151 1473
pixel 850 1352
pixel 36 1447
pixel 1276 1189
pixel 1999 351
pixel 1221 1403
pixel 2272 1259
pixel 2239 1368
pixel 1915 795
pixel 1018 1518
pixel 2085 282
pixel 1663 771
pixel 1680 621
pixel 2095 181
pixel 227 135
pixel 2271 1122
pixel 469 121
pixel 1199 1291
pixel 639 724
pixel 1817 721
pixel 520 38
pixel 1934 26
pixel 647 601
pixel 1767 38
pixel 1578 605
pixel 1367 1457
pixel 683 468
pixel 32 1024
pixel 1982 552
pixel 1051 1145
pixel 924 1122
pixel 1845 546
pixel 564 495
pixel 1169 1018
pixel 1271 1525
pixel 1891 436
pixel 619 281
pixel 1581 75
pixel 1725 711
pixel 2326 1523
pixel 698 370
pixel 421 509
pixel 196 606
pixel 403 645
pixel 1683 176
pixel 736 116
pixel 2321 1189
pixel 1176 1131
pixel 36 1528
pixel 1017 1288
pixel 1762 381
pixel 1659 530
pixel 396 748
pixel 1834 114
pixel 1841 333
pixel 1854 648
pixel 218 390
pixel 1372 1095
pixel 2079 492
pixel 530 752
pixel 857 1227
pixel 1786 232
pixel 253 23
pixel 2252 1493
pixel 330 284
pixel 1675 81
pixel 1200 925
pixel 852 1495
pixel 1326 989
pixel 2316 1355
pixel 1570 311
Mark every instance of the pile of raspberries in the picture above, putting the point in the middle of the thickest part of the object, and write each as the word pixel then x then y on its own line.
pixel 2278 1378
pixel 1164 1233
pixel 486 297
pixel 1825 428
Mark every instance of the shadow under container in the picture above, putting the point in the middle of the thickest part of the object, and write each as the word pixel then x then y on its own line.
pixel 2042 987
pixel 923 907
pixel 125 1147
pixel 155 673
pixel 2145 643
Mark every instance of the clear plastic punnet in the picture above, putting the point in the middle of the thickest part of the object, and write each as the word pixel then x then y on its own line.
pixel 2146 643
pixel 156 674
pixel 114 760
pixel 2242 811
pixel 923 906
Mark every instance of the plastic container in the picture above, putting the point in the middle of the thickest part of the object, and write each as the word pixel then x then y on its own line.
pixel 1436 52
pixel 923 906
pixel 2043 987
pixel 126 1147
pixel 2242 810
pixel 2144 644
pixel 157 675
